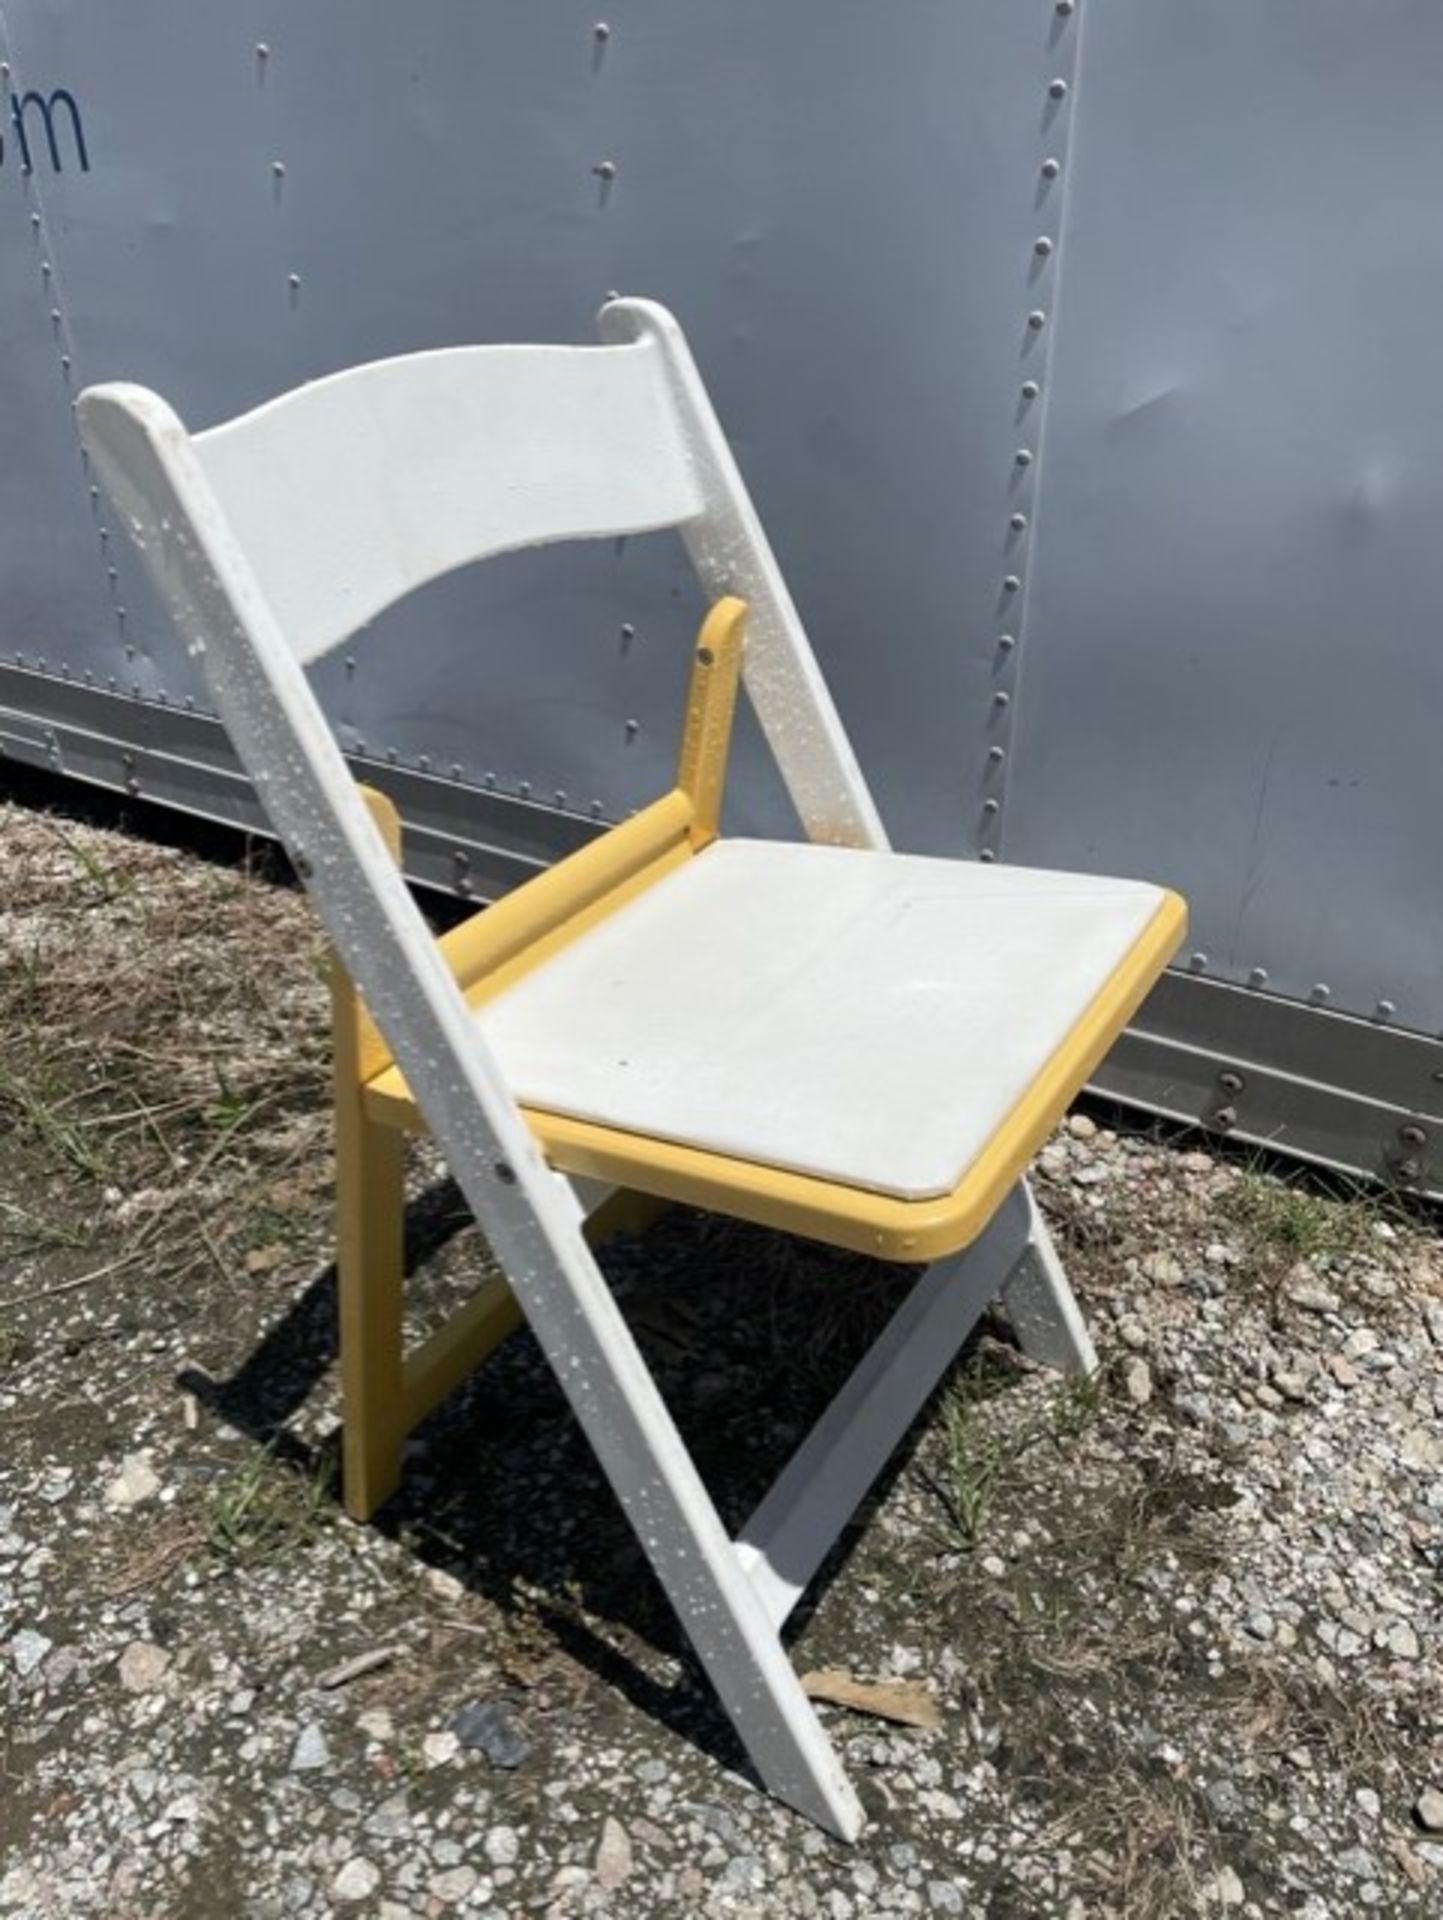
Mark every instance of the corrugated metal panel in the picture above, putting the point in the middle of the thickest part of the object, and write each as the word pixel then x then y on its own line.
pixel 1232 669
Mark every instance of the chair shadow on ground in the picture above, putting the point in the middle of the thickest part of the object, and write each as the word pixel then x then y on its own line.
pixel 749 1333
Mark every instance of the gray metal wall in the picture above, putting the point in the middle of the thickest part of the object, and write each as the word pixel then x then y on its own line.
pixel 1170 614
pixel 1234 650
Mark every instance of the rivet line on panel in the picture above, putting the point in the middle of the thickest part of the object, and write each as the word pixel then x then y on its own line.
pixel 1039 261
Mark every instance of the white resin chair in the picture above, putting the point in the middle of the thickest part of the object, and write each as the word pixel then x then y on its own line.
pixel 857 1045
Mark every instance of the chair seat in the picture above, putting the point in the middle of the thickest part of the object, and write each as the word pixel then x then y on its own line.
pixel 869 1019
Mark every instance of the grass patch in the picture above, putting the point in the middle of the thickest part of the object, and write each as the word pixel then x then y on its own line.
pixel 1284 1222
pixel 29 1232
pixel 105 880
pixel 41 1108
pixel 979 1446
pixel 269 1507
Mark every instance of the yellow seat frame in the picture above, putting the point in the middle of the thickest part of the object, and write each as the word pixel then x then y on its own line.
pixel 387 1393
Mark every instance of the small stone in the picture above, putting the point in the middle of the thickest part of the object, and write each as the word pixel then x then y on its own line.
pixel 1227 1889
pixel 438 1749
pixel 1428 1810
pixel 1360 1341
pixel 356 1881
pixel 944 1897
pixel 1132 1334
pixel 137 1481
pixel 1137 1382
pixel 28 1649
pixel 1292 1386
pixel 1225 1799
pixel 1343 1371
pixel 376 1724
pixel 63 1667
pixel 1421 1448
pixel 444 1585
pixel 1081 1127
pixel 502 1846
pixel 613 1855
pixel 1359 1862
pixel 452 1886
pixel 310 1751
pixel 391 1820
pixel 994 1565
pixel 1260 1625
pixel 1162 1268
pixel 143 1667
pixel 1091 1175
pixel 1402 1641
pixel 1308 1294
pixel 490 1727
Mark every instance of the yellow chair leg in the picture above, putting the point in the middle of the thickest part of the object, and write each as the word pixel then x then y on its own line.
pixel 370 1243
pixel 370 1263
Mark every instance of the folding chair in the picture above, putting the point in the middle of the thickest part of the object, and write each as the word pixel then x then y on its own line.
pixel 860 1046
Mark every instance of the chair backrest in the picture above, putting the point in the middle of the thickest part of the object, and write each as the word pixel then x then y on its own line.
pixel 351 492
pixel 334 500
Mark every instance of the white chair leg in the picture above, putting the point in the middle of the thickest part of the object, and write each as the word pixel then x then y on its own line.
pixel 601 1371
pixel 1041 1305
pixel 791 1532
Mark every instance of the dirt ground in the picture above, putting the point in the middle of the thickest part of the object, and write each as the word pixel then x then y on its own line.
pixel 1181 1623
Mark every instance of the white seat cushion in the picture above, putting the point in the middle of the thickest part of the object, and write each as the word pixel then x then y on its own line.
pixel 869 1018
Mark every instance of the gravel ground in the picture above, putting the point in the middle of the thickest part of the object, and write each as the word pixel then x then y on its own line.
pixel 1181 1624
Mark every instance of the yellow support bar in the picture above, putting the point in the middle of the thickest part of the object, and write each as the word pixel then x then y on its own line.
pixel 456 1349
pixel 710 709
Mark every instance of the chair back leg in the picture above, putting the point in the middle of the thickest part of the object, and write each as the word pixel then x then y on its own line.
pixel 1041 1305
